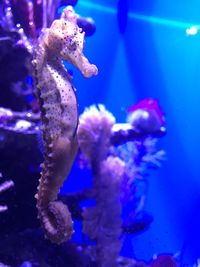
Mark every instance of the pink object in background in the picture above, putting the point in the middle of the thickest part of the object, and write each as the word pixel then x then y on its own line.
pixel 150 105
pixel 146 116
pixel 164 260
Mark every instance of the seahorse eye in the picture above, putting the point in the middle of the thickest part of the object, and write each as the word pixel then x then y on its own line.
pixel 72 45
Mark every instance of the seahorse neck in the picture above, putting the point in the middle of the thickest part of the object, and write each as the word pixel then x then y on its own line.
pixel 56 63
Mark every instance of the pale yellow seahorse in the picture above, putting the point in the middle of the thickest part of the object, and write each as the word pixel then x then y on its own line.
pixel 64 40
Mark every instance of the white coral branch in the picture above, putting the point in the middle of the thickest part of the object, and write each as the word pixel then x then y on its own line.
pixel 4 187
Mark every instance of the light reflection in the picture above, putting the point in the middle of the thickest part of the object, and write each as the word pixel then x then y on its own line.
pixel 193 30
pixel 150 19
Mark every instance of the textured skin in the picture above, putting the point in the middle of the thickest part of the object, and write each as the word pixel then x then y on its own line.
pixel 63 40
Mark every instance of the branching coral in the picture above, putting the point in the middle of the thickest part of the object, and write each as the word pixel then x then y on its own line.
pixel 102 223
pixel 140 154
pixel 118 172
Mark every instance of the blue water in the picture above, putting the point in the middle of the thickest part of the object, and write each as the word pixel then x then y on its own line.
pixel 154 57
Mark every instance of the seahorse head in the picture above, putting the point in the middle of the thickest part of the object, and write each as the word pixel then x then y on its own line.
pixel 66 41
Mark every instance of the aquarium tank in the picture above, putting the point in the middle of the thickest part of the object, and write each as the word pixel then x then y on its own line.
pixel 99 150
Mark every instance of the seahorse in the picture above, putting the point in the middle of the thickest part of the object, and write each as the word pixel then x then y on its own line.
pixel 64 40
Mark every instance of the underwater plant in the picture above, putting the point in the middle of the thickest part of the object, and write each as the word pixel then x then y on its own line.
pixel 103 225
